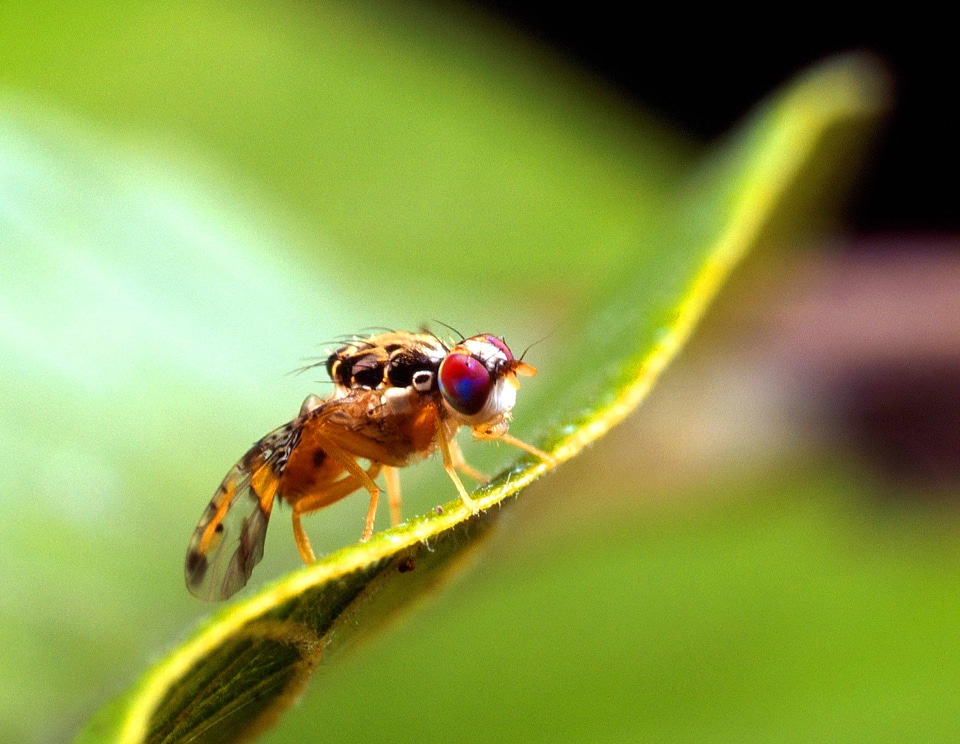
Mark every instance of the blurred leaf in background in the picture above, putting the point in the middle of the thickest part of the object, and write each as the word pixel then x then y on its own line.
pixel 195 197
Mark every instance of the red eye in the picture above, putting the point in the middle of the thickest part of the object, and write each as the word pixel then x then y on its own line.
pixel 465 383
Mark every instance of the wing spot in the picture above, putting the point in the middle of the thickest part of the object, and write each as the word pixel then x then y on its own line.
pixel 196 566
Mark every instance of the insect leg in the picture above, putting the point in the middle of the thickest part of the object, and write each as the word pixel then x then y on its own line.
pixel 460 463
pixel 371 511
pixel 319 499
pixel 443 439
pixel 392 477
pixel 547 458
pixel 366 480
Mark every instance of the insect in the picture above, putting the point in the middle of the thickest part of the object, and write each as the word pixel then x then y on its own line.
pixel 397 398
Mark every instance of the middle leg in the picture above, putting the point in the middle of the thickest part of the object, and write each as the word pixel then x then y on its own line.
pixel 325 497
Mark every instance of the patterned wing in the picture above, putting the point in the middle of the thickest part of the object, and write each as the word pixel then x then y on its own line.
pixel 228 540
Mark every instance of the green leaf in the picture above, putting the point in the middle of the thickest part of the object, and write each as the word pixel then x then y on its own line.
pixel 244 665
pixel 194 195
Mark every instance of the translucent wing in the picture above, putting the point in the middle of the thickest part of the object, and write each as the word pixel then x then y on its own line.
pixel 288 463
pixel 228 540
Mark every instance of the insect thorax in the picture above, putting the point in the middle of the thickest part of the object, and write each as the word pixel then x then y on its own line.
pixel 389 360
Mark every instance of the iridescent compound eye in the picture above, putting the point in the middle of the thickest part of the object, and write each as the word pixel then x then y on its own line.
pixel 465 383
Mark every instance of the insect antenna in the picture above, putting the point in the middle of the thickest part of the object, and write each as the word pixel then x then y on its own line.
pixel 538 341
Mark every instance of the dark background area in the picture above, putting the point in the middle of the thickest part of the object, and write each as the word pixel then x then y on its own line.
pixel 895 402
pixel 704 73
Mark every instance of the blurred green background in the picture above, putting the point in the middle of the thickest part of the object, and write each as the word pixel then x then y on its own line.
pixel 195 198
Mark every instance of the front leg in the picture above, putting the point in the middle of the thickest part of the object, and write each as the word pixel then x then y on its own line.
pixel 539 453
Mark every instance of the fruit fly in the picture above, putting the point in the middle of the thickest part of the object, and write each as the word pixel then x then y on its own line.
pixel 397 398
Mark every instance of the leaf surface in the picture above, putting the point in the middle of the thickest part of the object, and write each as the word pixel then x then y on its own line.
pixel 243 666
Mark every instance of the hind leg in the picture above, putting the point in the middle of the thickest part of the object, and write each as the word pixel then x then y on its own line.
pixel 392 477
